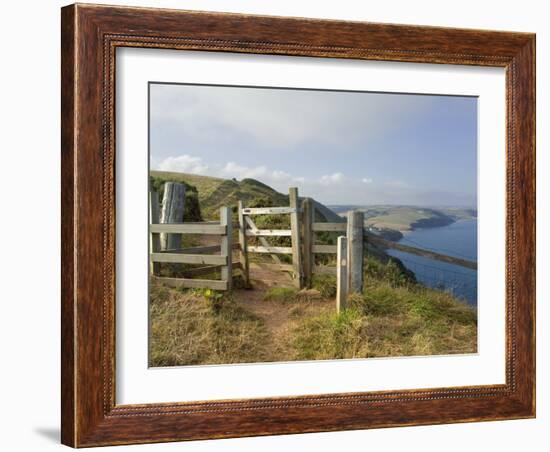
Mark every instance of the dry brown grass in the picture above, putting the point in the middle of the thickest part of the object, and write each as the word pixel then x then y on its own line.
pixel 392 317
pixel 389 321
pixel 191 328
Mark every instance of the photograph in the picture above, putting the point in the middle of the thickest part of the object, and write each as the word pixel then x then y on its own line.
pixel 304 224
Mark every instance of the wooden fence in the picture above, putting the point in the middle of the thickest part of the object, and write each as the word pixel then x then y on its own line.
pixel 349 251
pixel 213 258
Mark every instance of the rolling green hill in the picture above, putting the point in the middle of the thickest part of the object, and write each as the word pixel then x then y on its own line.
pixel 215 192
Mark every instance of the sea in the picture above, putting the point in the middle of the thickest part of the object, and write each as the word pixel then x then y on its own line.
pixel 458 239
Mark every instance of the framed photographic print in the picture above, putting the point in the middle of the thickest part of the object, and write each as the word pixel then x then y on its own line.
pixel 281 225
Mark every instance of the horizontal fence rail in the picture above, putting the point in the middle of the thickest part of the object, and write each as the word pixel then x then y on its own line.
pixel 177 258
pixel 270 249
pixel 189 228
pixel 268 210
pixel 268 233
pixel 329 227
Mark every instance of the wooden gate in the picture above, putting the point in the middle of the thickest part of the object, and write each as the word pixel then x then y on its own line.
pixel 247 229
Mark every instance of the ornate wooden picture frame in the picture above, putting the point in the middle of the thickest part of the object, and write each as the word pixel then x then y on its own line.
pixel 90 37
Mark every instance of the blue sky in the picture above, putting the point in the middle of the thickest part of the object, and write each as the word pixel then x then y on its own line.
pixel 338 147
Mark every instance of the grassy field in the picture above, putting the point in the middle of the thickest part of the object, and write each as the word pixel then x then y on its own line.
pixel 393 316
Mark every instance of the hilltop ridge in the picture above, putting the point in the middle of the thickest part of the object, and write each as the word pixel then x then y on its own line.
pixel 214 192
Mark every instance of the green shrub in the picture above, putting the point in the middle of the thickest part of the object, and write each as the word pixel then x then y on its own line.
pixel 391 272
pixel 325 284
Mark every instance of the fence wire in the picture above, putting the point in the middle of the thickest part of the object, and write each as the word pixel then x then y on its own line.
pixel 460 282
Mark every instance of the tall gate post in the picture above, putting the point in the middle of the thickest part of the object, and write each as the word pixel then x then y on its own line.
pixel 173 203
pixel 243 241
pixel 355 251
pixel 227 246
pixel 341 274
pixel 154 239
pixel 308 239
pixel 295 234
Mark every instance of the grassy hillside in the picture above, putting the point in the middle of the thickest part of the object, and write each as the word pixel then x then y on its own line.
pixel 214 192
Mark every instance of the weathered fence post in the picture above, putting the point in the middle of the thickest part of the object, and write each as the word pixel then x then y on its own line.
pixel 227 246
pixel 154 239
pixel 341 274
pixel 173 203
pixel 308 239
pixel 295 235
pixel 355 251
pixel 244 246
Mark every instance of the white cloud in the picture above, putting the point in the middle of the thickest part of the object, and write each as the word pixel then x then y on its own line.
pixel 330 179
pixel 183 164
pixel 280 180
pixel 335 188
pixel 234 170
